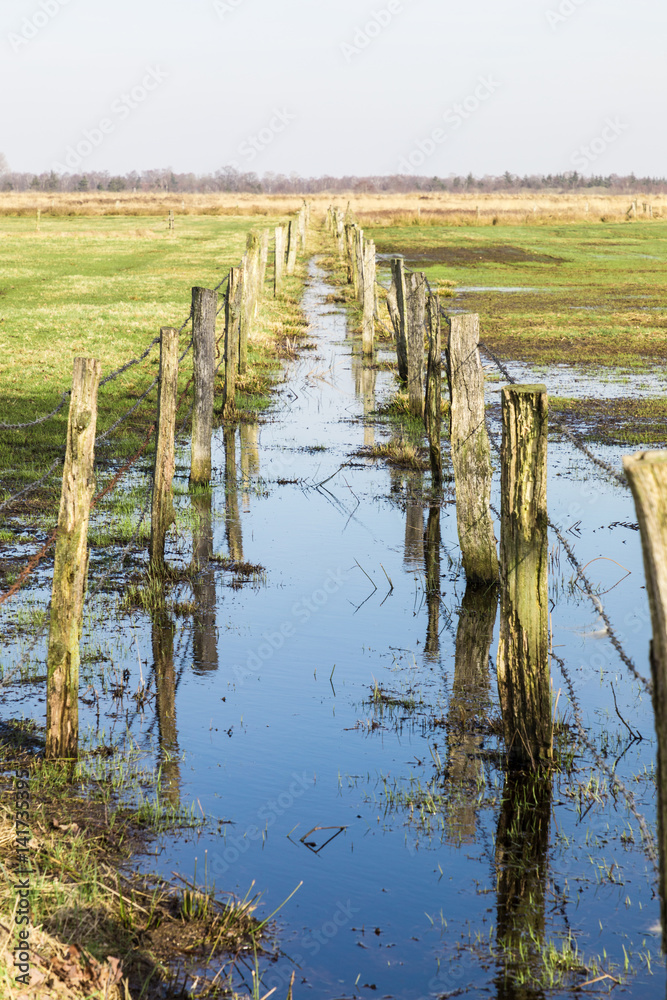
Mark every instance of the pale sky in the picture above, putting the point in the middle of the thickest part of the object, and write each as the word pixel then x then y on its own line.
pixel 335 86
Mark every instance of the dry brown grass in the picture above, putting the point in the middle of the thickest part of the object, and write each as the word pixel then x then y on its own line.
pixel 435 208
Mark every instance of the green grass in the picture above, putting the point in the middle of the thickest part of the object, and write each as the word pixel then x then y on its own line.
pixel 596 292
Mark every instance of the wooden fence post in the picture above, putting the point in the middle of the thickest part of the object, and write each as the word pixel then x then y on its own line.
pixel 171 220
pixel 292 245
pixel 433 400
pixel 70 569
pixel 263 260
pixel 279 262
pixel 368 320
pixel 204 309
pixel 340 232
pixel 524 679
pixel 351 266
pixel 471 454
pixel 162 508
pixel 647 475
pixel 233 308
pixel 359 263
pixel 396 305
pixel 415 316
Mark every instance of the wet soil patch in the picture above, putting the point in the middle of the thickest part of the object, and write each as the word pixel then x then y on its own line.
pixel 471 256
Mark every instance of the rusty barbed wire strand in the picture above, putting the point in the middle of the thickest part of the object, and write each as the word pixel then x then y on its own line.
pixel 33 486
pixel 39 420
pixel 610 772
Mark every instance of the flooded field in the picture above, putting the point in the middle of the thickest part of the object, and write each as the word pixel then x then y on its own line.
pixel 324 692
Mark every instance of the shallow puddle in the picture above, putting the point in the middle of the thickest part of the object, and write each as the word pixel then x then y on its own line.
pixel 338 711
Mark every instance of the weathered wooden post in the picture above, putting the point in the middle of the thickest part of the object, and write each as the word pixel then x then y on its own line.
pixel 524 679
pixel 396 305
pixel 263 260
pixel 162 509
pixel 340 232
pixel 279 261
pixel 415 318
pixel 171 220
pixel 359 263
pixel 647 475
pixel 204 309
pixel 292 245
pixel 351 265
pixel 471 453
pixel 70 569
pixel 433 400
pixel 233 309
pixel 247 309
pixel 368 320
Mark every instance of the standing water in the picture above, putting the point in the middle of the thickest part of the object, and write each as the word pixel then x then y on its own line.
pixel 336 716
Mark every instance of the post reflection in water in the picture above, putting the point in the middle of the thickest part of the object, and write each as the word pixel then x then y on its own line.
pixel 232 516
pixel 365 379
pixel 205 642
pixel 414 530
pixel 470 699
pixel 162 637
pixel 522 844
pixel 432 555
pixel 249 440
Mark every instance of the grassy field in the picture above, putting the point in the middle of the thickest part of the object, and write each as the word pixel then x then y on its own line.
pixel 580 294
pixel 102 287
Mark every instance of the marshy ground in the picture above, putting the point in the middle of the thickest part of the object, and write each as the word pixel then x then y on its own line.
pixel 312 699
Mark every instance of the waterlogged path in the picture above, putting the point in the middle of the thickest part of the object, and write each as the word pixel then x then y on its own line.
pixel 335 716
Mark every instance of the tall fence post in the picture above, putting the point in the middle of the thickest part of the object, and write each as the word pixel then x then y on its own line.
pixel 647 475
pixel 279 269
pixel 433 400
pixel 359 263
pixel 204 309
pixel 171 220
pixel 70 569
pixel 415 316
pixel 350 248
pixel 233 308
pixel 524 679
pixel 368 320
pixel 339 223
pixel 470 450
pixel 263 260
pixel 292 245
pixel 162 508
pixel 396 306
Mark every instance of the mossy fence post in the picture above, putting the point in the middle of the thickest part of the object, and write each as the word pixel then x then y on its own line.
pixel 250 265
pixel 292 245
pixel 263 260
pixel 415 318
pixel 396 306
pixel 233 309
pixel 70 569
pixel 279 262
pixel 470 450
pixel 162 507
pixel 433 399
pixel 524 679
pixel 647 475
pixel 204 309
pixel 368 319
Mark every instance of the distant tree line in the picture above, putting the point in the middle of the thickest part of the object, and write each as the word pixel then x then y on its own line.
pixel 229 179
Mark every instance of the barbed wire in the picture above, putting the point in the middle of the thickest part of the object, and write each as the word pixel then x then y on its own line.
pixel 39 420
pixel 135 361
pixel 33 486
pixel 102 437
pixel 611 772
